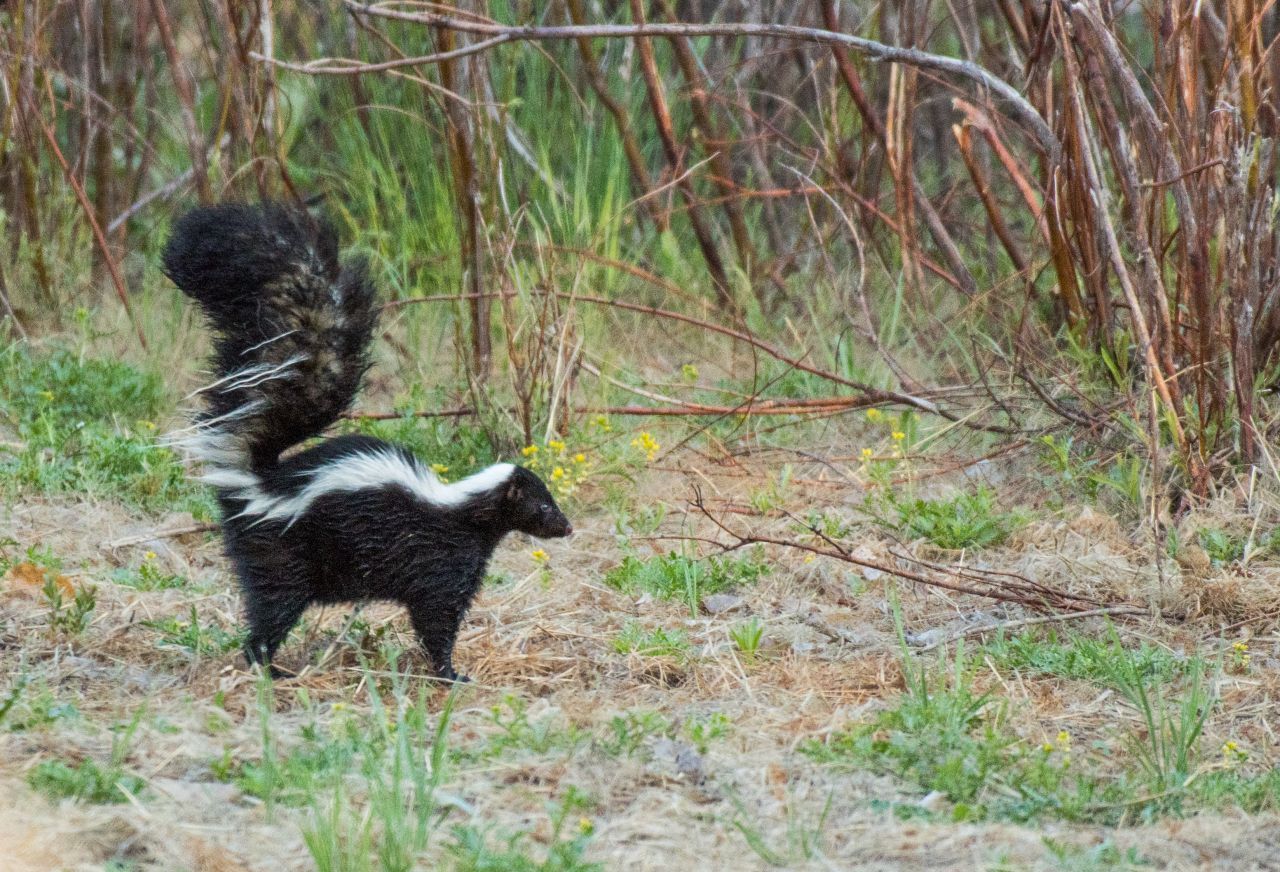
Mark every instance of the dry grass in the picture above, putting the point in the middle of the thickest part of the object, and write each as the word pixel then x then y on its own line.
pixel 830 659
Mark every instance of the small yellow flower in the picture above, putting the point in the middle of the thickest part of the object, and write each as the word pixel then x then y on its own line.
pixel 48 395
pixel 646 443
pixel 690 372
pixel 529 450
pixel 439 468
pixel 150 555
pixel 556 446
pixel 585 826
pixel 1233 754
pixel 538 555
pixel 1064 738
pixel 898 435
pixel 602 422
pixel 1047 747
pixel 557 473
pixel 147 425
pixel 808 558
pixel 579 458
pixel 339 707
pixel 867 454
pixel 1241 647
pixel 874 415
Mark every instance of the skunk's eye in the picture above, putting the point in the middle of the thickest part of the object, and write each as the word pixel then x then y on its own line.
pixel 545 508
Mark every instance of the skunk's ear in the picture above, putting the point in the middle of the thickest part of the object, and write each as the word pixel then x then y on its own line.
pixel 515 490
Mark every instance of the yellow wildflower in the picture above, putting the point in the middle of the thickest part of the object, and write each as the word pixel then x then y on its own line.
pixel 898 435
pixel 867 454
pixel 557 473
pixel 579 458
pixel 529 450
pixel 439 468
pixel 874 415
pixel 556 446
pixel 48 395
pixel 585 826
pixel 646 443
pixel 150 555
pixel 538 555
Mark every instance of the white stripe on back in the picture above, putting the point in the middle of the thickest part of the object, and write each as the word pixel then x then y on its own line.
pixel 368 470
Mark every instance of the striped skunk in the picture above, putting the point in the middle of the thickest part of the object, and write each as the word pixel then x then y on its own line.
pixel 352 518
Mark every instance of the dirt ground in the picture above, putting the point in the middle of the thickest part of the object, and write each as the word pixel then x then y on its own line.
pixel 544 637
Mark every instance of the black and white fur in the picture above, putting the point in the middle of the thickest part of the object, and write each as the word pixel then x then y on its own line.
pixel 351 518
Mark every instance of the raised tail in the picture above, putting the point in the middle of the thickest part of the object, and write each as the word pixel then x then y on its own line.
pixel 292 330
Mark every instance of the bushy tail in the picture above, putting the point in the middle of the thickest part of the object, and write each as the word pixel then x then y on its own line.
pixel 292 331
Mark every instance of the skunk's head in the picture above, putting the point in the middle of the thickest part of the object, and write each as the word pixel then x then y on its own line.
pixel 530 508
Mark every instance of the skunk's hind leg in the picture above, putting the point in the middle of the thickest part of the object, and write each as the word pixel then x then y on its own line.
pixel 436 625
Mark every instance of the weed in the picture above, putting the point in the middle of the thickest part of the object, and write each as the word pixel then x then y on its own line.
pixel 148 576
pixel 967 520
pixel 703 731
pixel 85 781
pixel 518 731
pixel 568 842
pixel 748 636
pixel 202 640
pixel 1085 659
pixel 1221 546
pixel 68 618
pixel 635 639
pixel 1104 857
pixel 803 841
pixel 89 781
pixel 674 576
pixel 31 705
pixel 628 732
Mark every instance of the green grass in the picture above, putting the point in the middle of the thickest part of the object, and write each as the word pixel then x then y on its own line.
pixel 943 735
pixel 677 577
pixel 1082 658
pixel 88 427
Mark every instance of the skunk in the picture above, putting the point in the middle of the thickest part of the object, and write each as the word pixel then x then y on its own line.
pixel 351 518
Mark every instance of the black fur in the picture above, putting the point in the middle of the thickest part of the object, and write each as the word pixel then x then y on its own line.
pixel 293 330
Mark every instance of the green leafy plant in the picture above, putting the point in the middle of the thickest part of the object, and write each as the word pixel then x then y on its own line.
pixel 966 520
pixel 209 639
pixel 748 636
pixel 659 642
pixel 89 781
pixel 674 576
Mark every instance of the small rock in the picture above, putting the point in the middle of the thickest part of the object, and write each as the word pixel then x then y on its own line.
pixel 686 761
pixel 719 603
pixel 862 552
pixel 933 801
